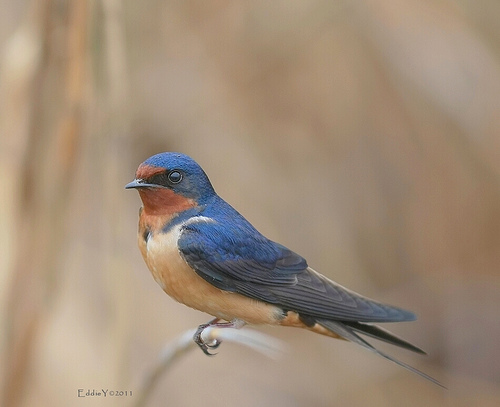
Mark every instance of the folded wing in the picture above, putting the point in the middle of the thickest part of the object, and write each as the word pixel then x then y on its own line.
pixel 246 262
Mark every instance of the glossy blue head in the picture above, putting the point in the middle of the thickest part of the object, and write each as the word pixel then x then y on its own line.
pixel 175 172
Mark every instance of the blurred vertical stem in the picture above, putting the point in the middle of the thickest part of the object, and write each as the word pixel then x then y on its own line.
pixel 114 159
pixel 47 167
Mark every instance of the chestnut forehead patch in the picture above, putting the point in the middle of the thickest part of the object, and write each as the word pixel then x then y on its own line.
pixel 146 171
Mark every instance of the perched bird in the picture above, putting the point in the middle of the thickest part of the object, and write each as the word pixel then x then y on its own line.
pixel 206 255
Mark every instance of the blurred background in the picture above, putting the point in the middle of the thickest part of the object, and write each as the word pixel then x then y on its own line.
pixel 363 135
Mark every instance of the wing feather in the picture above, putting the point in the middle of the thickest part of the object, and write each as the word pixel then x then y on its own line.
pixel 242 260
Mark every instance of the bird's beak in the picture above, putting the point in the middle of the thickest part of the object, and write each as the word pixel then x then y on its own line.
pixel 139 183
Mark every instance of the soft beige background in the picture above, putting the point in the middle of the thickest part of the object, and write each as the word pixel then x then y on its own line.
pixel 362 134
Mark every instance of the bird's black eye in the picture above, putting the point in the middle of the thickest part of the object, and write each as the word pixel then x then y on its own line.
pixel 174 176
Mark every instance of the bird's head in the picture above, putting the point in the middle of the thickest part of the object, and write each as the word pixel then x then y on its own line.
pixel 171 182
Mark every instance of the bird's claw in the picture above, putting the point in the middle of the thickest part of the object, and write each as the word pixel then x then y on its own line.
pixel 207 348
pixel 204 346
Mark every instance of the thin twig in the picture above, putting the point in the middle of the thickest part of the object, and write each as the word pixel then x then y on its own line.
pixel 265 344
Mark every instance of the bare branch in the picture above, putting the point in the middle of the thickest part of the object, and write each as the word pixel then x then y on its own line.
pixel 257 341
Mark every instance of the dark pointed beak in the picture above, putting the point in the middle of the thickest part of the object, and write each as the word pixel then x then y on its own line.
pixel 139 183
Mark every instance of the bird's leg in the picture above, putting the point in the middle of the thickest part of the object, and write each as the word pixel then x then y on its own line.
pixel 206 347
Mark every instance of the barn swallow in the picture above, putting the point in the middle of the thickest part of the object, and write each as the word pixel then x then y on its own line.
pixel 204 254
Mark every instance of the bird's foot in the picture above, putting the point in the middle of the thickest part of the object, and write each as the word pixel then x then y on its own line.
pixel 207 347
pixel 204 346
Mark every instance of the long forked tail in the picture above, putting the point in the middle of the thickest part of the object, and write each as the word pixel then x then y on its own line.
pixel 347 330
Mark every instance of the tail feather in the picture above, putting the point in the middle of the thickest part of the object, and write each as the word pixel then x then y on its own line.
pixel 348 332
pixel 379 333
